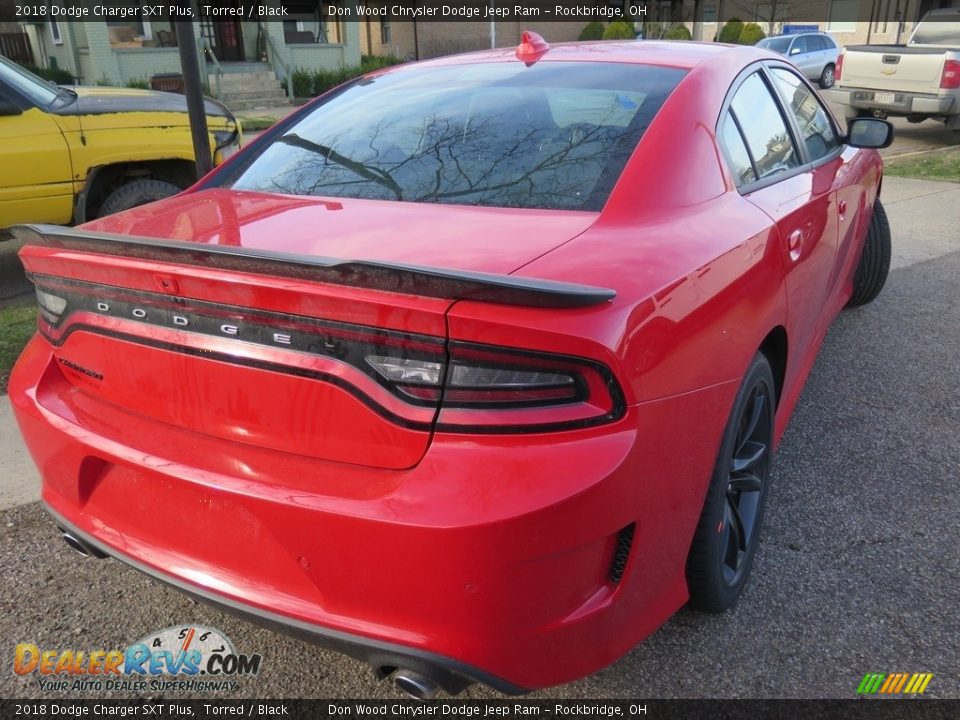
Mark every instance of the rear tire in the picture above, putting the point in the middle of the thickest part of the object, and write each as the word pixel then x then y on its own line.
pixel 874 266
pixel 726 538
pixel 826 77
pixel 137 192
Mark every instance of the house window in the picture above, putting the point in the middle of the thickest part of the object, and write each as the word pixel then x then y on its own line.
pixel 842 16
pixel 385 34
pixel 125 33
pixel 55 32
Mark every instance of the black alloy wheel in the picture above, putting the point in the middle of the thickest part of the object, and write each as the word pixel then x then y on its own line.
pixel 726 538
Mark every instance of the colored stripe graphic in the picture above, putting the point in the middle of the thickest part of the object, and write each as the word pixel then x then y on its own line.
pixel 870 683
pixel 894 683
pixel 927 677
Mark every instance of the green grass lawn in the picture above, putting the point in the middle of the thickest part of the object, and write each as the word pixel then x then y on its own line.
pixel 256 124
pixel 17 325
pixel 943 165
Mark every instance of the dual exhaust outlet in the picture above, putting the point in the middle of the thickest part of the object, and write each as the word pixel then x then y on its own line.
pixel 414 684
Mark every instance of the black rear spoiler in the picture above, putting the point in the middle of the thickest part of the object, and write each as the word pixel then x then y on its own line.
pixel 391 277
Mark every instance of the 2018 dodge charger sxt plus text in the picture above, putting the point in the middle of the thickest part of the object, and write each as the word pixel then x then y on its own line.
pixel 472 368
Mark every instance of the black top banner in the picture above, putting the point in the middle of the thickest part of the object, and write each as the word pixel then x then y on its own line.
pixel 638 11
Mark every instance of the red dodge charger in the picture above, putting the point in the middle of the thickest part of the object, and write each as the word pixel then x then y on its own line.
pixel 473 368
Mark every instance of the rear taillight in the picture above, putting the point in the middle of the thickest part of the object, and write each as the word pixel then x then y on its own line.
pixel 950 80
pixel 406 377
pixel 838 69
pixel 489 389
pixel 494 389
pixel 51 306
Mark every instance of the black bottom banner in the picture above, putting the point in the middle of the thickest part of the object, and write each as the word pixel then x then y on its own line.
pixel 457 708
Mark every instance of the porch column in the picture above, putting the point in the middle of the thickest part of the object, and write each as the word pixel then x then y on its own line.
pixel 103 59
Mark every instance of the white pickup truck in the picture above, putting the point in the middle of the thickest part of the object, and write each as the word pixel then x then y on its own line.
pixel 919 80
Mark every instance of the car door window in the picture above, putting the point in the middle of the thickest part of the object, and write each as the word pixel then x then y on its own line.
pixel 736 151
pixel 764 128
pixel 816 130
pixel 800 46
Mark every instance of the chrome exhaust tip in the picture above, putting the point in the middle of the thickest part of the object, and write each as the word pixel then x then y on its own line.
pixel 79 545
pixel 416 685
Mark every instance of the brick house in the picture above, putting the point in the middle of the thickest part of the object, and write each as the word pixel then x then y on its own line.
pixel 426 39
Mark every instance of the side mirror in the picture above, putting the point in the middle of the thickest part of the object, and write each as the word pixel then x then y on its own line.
pixel 869 133
pixel 795 50
pixel 8 108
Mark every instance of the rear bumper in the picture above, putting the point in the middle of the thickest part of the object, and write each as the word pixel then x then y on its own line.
pixel 450 674
pixel 904 103
pixel 489 561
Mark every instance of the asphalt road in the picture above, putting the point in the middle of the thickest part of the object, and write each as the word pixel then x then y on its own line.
pixel 910 137
pixel 858 570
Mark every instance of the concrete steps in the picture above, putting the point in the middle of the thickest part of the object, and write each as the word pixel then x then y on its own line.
pixel 249 87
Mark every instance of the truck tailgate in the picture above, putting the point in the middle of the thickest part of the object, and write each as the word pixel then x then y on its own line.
pixel 896 68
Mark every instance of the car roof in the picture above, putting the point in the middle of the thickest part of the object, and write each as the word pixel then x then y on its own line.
pixel 799 34
pixel 944 12
pixel 684 54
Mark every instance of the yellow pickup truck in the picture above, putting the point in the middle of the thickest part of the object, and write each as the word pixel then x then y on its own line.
pixel 72 154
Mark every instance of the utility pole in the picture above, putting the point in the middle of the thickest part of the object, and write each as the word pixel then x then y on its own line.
pixel 493 26
pixel 193 89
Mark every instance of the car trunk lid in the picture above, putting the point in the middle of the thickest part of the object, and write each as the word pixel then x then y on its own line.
pixel 225 338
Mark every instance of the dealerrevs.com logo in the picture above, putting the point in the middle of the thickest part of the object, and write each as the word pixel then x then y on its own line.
pixel 184 657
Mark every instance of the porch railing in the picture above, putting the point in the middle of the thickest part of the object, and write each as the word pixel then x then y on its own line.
pixel 276 58
pixel 16 46
pixel 217 69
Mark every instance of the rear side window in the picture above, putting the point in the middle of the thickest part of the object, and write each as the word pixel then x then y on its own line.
pixel 764 128
pixel 816 130
pixel 938 32
pixel 736 151
pixel 553 135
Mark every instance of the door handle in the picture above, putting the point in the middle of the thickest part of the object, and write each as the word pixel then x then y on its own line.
pixel 842 207
pixel 794 242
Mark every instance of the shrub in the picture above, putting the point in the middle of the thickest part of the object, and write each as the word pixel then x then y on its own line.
pixel 619 30
pixel 751 34
pixel 678 32
pixel 730 33
pixel 324 80
pixel 302 83
pixel 104 81
pixel 369 63
pixel 310 83
pixel 54 75
pixel 592 31
pixel 138 83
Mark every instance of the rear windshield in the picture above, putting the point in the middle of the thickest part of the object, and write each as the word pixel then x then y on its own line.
pixel 938 32
pixel 777 44
pixel 553 135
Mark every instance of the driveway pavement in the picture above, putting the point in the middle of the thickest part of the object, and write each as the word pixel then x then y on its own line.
pixel 918 137
pixel 858 570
